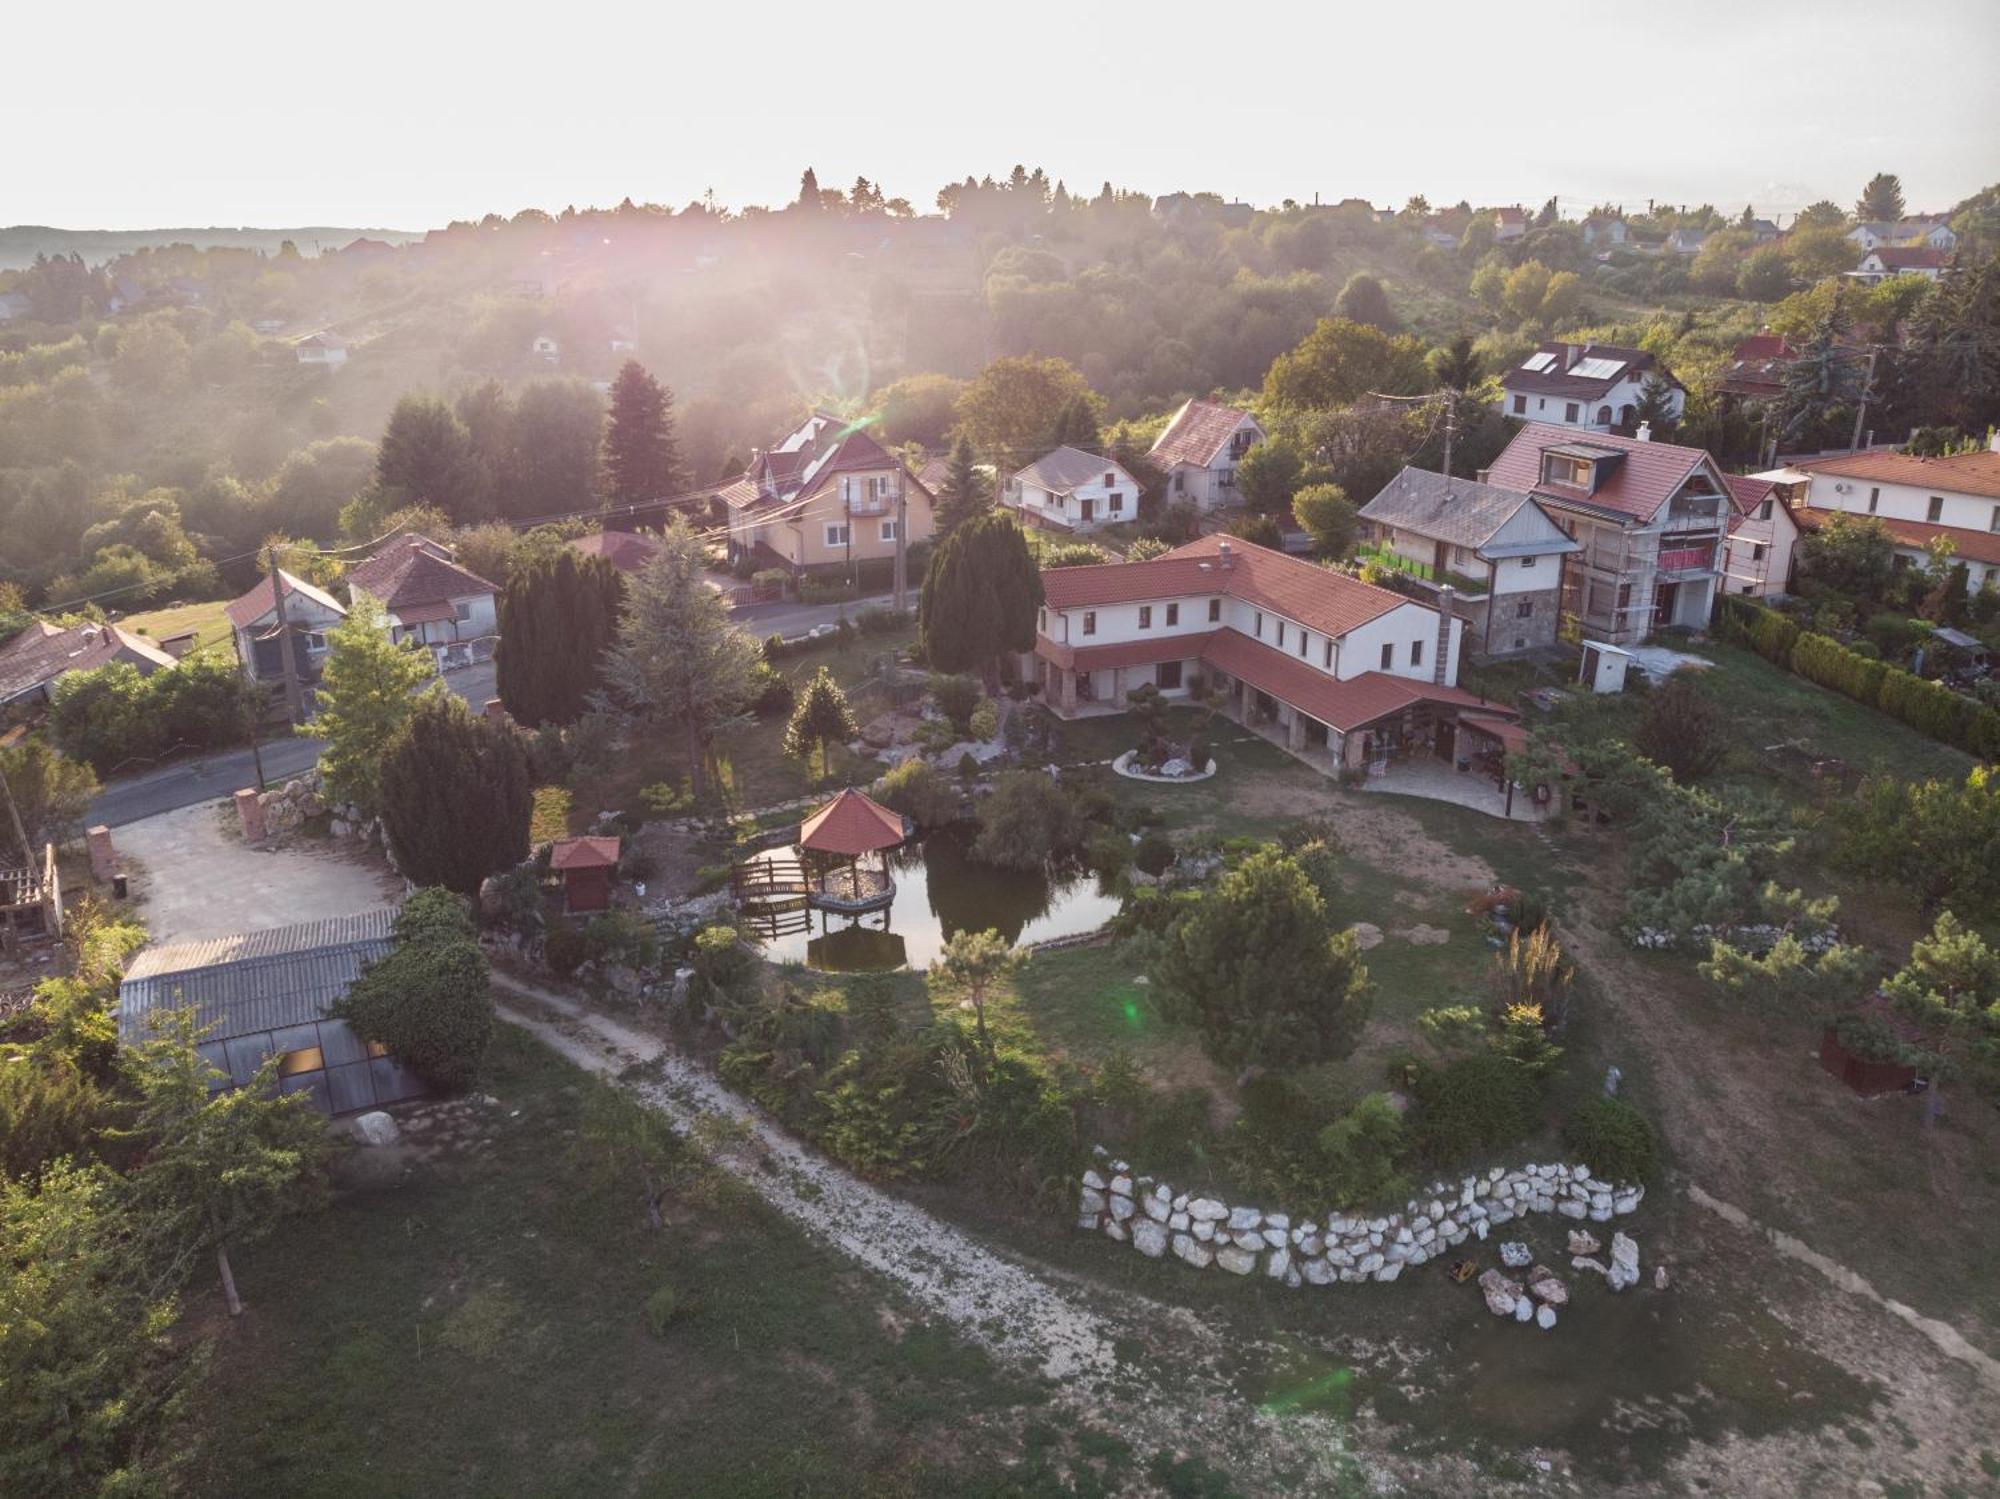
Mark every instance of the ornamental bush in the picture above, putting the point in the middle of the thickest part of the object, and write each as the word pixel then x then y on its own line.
pixel 1473 1106
pixel 1613 1139
pixel 428 1001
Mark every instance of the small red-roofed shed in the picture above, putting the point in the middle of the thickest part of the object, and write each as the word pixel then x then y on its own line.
pixel 586 866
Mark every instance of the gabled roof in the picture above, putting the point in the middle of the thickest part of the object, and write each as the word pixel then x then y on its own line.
pixel 412 571
pixel 1341 705
pixel 852 824
pixel 1197 435
pixel 259 601
pixel 1645 476
pixel 1453 510
pixel 1321 599
pixel 820 447
pixel 1566 369
pixel 1747 493
pixel 1067 469
pixel 44 652
pixel 1962 473
pixel 1973 545
pixel 1909 257
pixel 628 550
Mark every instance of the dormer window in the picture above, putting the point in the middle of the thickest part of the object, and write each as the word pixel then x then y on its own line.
pixel 1558 468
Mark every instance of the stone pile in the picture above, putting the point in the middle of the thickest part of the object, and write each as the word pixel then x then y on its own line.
pixel 290 805
pixel 1753 937
pixel 1345 1248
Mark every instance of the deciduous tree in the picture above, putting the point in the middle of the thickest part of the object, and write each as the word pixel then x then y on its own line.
pixel 429 1001
pixel 1011 407
pixel 1329 516
pixel 1341 361
pixel 50 791
pixel 365 699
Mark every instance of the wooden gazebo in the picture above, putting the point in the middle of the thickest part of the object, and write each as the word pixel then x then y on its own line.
pixel 586 866
pixel 834 843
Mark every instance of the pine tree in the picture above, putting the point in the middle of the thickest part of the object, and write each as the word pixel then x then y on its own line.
pixel 1822 378
pixel 220 1168
pixel 426 459
pixel 809 190
pixel 963 496
pixel 1655 404
pixel 641 457
pixel 1076 426
pixel 456 797
pixel 821 718
pixel 1881 201
pixel 364 699
pixel 558 617
pixel 980 597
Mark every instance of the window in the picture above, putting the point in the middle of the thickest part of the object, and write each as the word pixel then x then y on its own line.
pixel 1173 615
pixel 1090 621
pixel 305 1059
pixel 1936 511
pixel 1520 405
pixel 1874 499
pixel 1757 552
pixel 1303 638
pixel 462 611
pixel 1042 622
pixel 1528 561
pixel 1604 416
pixel 1168 678
pixel 1764 510
pixel 315 641
pixel 1624 597
pixel 836 535
pixel 1110 480
pixel 1180 481
pixel 1525 609
pixel 1570 411
pixel 1257 624
pixel 1556 469
pixel 1116 502
pixel 1388 657
pixel 1281 634
pixel 1416 653
pixel 1145 616
pixel 1994 523
pixel 1215 611
pixel 1326 658
pixel 888 530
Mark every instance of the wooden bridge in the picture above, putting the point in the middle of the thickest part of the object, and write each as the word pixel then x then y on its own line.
pixel 772 886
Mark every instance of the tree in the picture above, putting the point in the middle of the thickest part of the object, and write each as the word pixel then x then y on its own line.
pixel 1825 214
pixel 1008 411
pixel 455 795
pixel 429 1001
pixel 220 1168
pixel 1254 965
pixel 1341 361
pixel 1765 274
pixel 1937 838
pixel 1456 365
pixel 1025 821
pixel 1362 300
pixel 312 485
pixel 1805 972
pixel 1268 476
pixel 963 496
pixel 1329 516
pixel 679 661
pixel 426 459
pixel 1852 555
pixel 1815 252
pixel 558 616
pixel 820 718
pixel 51 794
pixel 554 441
pixel 966 972
pixel 809 191
pixel 364 701
pixel 1681 730
pixel 1258 529
pixel 641 457
pixel 1076 426
pixel 1526 285
pixel 980 597
pixel 917 408
pixel 1950 991
pixel 1881 201
pixel 1821 380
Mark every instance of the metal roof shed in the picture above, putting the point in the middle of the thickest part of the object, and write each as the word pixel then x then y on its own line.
pixel 270 993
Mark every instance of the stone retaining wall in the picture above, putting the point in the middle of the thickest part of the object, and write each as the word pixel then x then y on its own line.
pixel 1346 1248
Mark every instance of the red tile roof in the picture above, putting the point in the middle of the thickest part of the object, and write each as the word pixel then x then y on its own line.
pixel 1331 602
pixel 414 570
pixel 1746 492
pixel 583 853
pixel 1645 477
pixel 1962 473
pixel 42 652
pixel 1910 257
pixel 852 824
pixel 254 605
pixel 1557 381
pixel 1341 705
pixel 628 550
pixel 1199 431
pixel 1973 546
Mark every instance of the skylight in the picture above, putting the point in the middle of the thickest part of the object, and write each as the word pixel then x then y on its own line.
pixel 1596 369
pixel 1537 363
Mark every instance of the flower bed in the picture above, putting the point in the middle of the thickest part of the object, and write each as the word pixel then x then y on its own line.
pixel 1127 765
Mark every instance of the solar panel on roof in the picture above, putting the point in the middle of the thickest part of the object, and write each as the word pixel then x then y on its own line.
pixel 1596 369
pixel 1537 363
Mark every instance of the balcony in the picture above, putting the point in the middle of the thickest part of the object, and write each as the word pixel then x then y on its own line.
pixel 1674 562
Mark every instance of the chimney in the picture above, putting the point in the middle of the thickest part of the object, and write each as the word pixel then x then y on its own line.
pixel 1645 432
pixel 1225 555
pixel 1446 596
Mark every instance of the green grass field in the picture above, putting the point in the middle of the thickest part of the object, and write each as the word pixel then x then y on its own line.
pixel 207 620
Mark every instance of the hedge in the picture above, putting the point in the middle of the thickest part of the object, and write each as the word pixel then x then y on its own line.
pixel 1931 708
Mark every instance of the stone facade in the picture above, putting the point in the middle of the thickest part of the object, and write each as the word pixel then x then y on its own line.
pixel 1495 627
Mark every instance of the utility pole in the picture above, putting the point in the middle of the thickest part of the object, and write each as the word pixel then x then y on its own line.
pixel 253 708
pixel 1867 390
pixel 295 708
pixel 902 583
pixel 14 816
pixel 1450 412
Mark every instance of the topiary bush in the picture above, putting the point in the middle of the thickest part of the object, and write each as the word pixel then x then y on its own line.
pixel 1613 1139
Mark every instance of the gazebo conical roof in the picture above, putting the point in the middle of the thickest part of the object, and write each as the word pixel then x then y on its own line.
pixel 850 825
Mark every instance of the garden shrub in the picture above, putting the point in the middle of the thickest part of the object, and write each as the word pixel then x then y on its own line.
pixel 919 793
pixel 874 1014
pixel 772 692
pixel 956 697
pixel 428 1001
pixel 1027 820
pixel 968 767
pixel 1613 1139
pixel 985 721
pixel 877 619
pixel 1284 1146
pixel 662 1307
pixel 725 971
pixel 113 715
pixel 1107 853
pixel 1154 853
pixel 1471 1107
pixel 866 1128
pixel 621 937
pixel 563 948
pixel 1361 1150
pixel 550 818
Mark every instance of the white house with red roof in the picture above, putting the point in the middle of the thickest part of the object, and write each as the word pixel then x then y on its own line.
pixel 1650 518
pixel 1590 386
pixel 1763 535
pixel 826 497
pixel 1342 673
pixel 310 612
pixel 1509 224
pixel 1901 260
pixel 1920 501
pixel 430 599
pixel 1199 451
pixel 33 661
pixel 1071 490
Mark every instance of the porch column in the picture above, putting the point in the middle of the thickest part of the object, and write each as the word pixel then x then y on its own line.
pixel 1066 691
pixel 1118 686
pixel 1295 733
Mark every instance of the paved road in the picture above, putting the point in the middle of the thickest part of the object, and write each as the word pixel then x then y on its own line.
pixel 796 619
pixel 186 782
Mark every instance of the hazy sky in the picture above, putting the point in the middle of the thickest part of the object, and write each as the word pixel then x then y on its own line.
pixel 412 113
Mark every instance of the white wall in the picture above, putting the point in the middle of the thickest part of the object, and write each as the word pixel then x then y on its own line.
pixel 1555 408
pixel 1902 502
pixel 1067 509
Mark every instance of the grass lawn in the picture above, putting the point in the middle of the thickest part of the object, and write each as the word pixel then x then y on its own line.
pixel 207 620
pixel 472 1322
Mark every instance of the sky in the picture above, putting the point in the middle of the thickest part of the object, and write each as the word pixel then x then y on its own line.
pixel 407 115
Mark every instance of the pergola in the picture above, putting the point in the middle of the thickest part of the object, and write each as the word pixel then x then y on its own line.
pixel 835 840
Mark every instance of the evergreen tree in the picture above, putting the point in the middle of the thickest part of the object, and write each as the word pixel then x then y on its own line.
pixel 558 617
pixel 1822 379
pixel 809 197
pixel 679 660
pixel 820 718
pixel 1076 426
pixel 1950 992
pixel 1548 215
pixel 426 459
pixel 967 971
pixel 964 495
pixel 641 457
pixel 1655 404
pixel 1947 373
pixel 455 795
pixel 220 1168
pixel 980 596
pixel 1881 200
pixel 364 699
pixel 1456 365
